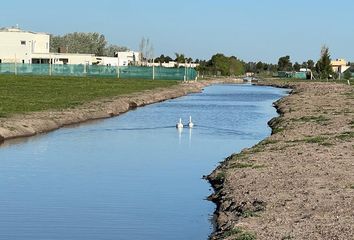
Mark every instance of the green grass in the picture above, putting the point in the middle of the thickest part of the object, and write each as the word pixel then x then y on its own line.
pixel 346 136
pixel 23 94
pixel 246 236
pixel 232 232
pixel 320 140
pixel 220 177
pixel 315 119
pixel 249 213
pixel 352 124
pixel 239 234
pixel 287 237
pixel 316 139
pixel 241 165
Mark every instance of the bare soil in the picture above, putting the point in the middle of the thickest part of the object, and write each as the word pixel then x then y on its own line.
pixel 299 182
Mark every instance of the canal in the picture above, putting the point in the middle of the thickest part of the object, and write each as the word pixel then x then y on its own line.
pixel 130 177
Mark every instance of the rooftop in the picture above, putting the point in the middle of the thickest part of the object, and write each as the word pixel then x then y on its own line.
pixel 17 29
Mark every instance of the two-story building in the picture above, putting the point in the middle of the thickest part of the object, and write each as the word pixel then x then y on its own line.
pixel 19 46
pixel 339 66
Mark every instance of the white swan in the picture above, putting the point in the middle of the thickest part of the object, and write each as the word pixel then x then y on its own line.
pixel 179 125
pixel 190 124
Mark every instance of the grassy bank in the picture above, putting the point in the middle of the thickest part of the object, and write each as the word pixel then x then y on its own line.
pixel 23 94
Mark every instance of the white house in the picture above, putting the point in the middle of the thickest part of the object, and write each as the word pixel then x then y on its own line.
pixel 121 59
pixel 339 65
pixel 128 58
pixel 18 46
pixel 21 46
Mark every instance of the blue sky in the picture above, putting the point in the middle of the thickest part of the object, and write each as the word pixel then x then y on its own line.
pixel 253 30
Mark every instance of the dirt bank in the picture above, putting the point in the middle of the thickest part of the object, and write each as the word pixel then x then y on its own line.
pixel 299 182
pixel 39 122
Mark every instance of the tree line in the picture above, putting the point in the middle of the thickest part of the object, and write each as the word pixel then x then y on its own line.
pixel 322 69
pixel 87 43
pixel 219 64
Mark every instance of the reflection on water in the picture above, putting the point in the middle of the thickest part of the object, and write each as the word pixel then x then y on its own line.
pixel 131 177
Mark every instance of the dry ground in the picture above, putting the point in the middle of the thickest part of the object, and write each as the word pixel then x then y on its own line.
pixel 298 183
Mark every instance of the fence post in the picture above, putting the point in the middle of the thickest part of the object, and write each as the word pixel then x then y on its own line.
pixel 15 65
pixel 118 75
pixel 153 71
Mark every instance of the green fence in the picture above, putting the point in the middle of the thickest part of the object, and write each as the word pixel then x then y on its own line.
pixel 99 71
pixel 296 75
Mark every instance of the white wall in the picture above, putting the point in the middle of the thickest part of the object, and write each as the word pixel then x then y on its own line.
pixel 72 58
pixel 128 57
pixel 17 45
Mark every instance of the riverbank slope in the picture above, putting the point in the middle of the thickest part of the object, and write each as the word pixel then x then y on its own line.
pixel 30 124
pixel 299 182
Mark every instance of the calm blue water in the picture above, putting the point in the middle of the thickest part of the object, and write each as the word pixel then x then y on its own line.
pixel 130 177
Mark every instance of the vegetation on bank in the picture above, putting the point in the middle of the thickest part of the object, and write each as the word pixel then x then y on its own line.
pixel 23 94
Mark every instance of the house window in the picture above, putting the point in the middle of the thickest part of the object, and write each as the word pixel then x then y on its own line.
pixel 23 42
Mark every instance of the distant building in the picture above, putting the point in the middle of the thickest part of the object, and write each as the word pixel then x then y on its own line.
pixel 128 58
pixel 19 46
pixel 339 66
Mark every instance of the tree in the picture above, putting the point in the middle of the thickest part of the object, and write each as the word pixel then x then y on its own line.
pixel 236 67
pixel 78 42
pixel 88 43
pixel 297 66
pixel 259 66
pixel 220 64
pixel 180 58
pixel 250 67
pixel 146 49
pixel 160 59
pixel 168 59
pixel 284 64
pixel 347 74
pixel 226 66
pixel 323 66
pixel 310 64
pixel 111 50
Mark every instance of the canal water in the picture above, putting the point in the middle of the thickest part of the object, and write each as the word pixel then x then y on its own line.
pixel 130 177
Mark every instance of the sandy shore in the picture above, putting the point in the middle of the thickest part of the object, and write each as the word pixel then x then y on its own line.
pixel 299 182
pixel 39 122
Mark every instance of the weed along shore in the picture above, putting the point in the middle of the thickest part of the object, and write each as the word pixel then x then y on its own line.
pixel 44 104
pixel 299 182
